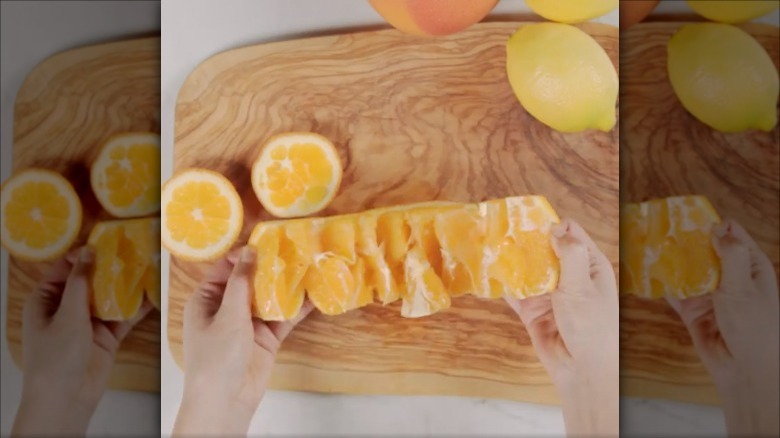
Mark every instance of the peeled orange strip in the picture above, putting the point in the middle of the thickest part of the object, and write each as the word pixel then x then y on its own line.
pixel 124 251
pixel 296 174
pixel 41 215
pixel 125 177
pixel 666 248
pixel 202 215
pixel 423 254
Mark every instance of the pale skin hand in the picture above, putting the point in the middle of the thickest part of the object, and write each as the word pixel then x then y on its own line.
pixel 228 355
pixel 735 332
pixel 67 355
pixel 574 330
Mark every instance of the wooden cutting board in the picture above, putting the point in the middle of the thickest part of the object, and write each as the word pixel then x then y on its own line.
pixel 665 151
pixel 414 119
pixel 64 110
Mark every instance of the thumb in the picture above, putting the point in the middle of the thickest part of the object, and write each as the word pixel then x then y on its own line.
pixel 734 257
pixel 237 298
pixel 573 255
pixel 75 297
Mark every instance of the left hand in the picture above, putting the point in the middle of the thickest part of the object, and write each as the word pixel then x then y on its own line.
pixel 67 354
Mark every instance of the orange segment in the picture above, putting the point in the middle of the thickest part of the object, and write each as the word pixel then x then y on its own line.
pixel 425 292
pixel 41 215
pixel 124 251
pixel 666 248
pixel 125 176
pixel 379 277
pixel 202 215
pixel 334 286
pixel 278 293
pixel 461 234
pixel 520 253
pixel 296 174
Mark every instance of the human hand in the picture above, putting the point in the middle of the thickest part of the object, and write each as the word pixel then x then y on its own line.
pixel 735 332
pixel 228 355
pixel 574 330
pixel 67 355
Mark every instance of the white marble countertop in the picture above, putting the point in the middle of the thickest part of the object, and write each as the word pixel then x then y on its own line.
pixel 193 31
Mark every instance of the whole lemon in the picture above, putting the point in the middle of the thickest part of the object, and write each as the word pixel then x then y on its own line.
pixel 562 77
pixel 723 77
pixel 571 11
pixel 733 11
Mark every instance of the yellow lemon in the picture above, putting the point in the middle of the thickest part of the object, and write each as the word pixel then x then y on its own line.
pixel 733 11
pixel 563 77
pixel 571 11
pixel 724 77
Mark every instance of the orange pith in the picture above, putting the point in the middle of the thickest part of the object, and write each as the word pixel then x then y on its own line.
pixel 296 174
pixel 41 215
pixel 423 254
pixel 666 248
pixel 124 251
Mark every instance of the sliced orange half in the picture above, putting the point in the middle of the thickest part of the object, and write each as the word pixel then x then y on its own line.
pixel 125 177
pixel 124 250
pixel 296 174
pixel 41 215
pixel 202 215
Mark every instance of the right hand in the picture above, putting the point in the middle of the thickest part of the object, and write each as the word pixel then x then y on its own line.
pixel 575 332
pixel 228 354
pixel 735 332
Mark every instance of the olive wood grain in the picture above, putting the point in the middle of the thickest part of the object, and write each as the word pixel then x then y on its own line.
pixel 66 107
pixel 414 119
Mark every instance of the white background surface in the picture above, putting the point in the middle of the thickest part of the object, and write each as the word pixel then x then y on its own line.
pixel 31 32
pixel 193 31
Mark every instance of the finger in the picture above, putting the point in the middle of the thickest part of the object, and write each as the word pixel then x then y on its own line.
pixel 43 301
pixel 75 297
pixel 698 315
pixel 599 263
pixel 761 268
pixel 514 304
pixel 236 302
pixel 573 255
pixel 735 259
pixel 204 302
pixel 234 255
pixel 72 256
pixel 120 329
pixel 538 317
pixel 281 329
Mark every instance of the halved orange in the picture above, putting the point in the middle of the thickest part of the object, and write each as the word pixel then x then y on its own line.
pixel 124 250
pixel 126 173
pixel 296 174
pixel 666 248
pixel 41 215
pixel 202 215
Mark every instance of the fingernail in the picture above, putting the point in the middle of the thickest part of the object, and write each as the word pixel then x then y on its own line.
pixel 86 255
pixel 559 230
pixel 247 254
